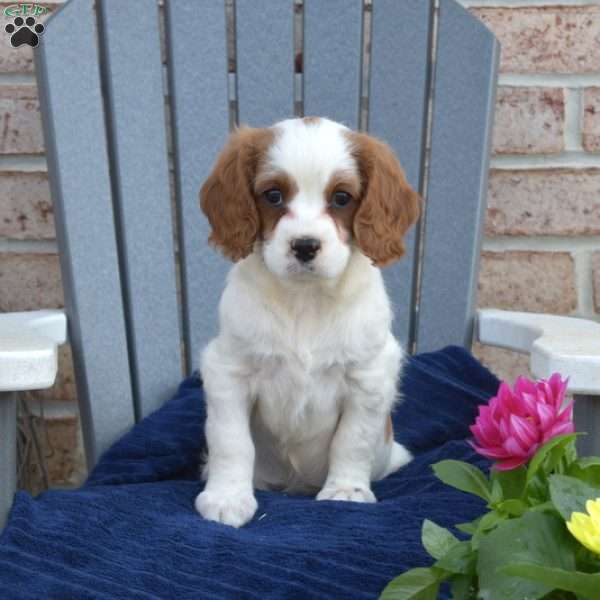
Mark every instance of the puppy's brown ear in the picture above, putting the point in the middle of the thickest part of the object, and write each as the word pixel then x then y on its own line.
pixel 389 206
pixel 226 197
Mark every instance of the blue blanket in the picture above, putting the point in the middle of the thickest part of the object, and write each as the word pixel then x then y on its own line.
pixel 131 531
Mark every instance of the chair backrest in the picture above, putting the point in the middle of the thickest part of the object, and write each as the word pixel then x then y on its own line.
pixel 141 283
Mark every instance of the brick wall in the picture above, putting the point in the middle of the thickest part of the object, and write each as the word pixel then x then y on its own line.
pixel 542 234
pixel 542 244
pixel 29 270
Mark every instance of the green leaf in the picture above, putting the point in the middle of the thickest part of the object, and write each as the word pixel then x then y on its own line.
pixel 416 584
pixel 587 469
pixel 490 520
pixel 497 493
pixel 470 527
pixel 464 477
pixel 482 524
pixel 537 538
pixel 584 584
pixel 461 558
pixel 537 490
pixel 486 524
pixel 512 482
pixel 586 560
pixel 561 457
pixel 463 587
pixel 544 507
pixel 514 508
pixel 559 443
pixel 571 451
pixel 589 461
pixel 436 540
pixel 569 495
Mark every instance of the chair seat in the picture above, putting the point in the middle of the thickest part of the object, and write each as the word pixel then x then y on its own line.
pixel 132 532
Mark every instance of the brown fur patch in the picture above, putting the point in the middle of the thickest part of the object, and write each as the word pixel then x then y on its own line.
pixel 227 196
pixel 388 206
pixel 311 120
pixel 269 215
pixel 343 217
pixel 389 429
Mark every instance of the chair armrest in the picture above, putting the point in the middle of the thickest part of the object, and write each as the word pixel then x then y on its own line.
pixel 28 349
pixel 556 344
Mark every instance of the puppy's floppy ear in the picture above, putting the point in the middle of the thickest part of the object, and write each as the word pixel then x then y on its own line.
pixel 388 207
pixel 227 197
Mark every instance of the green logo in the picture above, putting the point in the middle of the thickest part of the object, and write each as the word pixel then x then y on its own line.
pixel 25 10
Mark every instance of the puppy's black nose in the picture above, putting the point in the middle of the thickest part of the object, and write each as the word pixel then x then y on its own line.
pixel 305 249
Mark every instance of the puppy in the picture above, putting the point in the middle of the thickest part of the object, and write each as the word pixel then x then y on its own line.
pixel 301 379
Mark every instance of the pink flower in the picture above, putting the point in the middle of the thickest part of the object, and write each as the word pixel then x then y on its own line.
pixel 515 423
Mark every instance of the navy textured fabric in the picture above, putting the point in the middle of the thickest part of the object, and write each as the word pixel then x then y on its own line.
pixel 131 531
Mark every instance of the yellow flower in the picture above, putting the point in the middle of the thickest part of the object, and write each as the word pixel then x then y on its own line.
pixel 586 528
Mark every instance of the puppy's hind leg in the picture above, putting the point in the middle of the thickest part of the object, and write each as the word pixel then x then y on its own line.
pixel 399 456
pixel 391 455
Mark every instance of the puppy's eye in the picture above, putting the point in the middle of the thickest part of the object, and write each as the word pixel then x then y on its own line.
pixel 274 197
pixel 340 199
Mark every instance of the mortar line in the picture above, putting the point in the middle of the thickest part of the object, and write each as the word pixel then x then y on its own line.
pixel 537 243
pixel 56 409
pixel 573 120
pixel 581 80
pixel 583 283
pixel 525 3
pixel 569 160
pixel 17 79
pixel 8 245
pixel 23 162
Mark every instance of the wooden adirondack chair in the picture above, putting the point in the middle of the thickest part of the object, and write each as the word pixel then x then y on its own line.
pixel 136 322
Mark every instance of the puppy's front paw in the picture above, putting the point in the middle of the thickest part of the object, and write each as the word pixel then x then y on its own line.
pixel 347 493
pixel 231 507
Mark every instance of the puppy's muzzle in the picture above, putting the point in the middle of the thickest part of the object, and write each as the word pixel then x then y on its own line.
pixel 305 249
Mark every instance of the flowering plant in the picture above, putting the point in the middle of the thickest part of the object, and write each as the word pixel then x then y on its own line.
pixel 540 536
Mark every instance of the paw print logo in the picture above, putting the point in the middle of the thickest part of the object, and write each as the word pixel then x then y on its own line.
pixel 24 32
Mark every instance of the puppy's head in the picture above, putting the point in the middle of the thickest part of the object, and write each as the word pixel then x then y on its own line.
pixel 306 193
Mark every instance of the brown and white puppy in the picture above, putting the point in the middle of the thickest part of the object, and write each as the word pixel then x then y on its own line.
pixel 302 377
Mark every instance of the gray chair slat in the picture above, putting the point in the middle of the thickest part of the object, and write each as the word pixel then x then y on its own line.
pixel 198 89
pixel 398 98
pixel 78 168
pixel 332 59
pixel 140 170
pixel 465 79
pixel 265 61
pixel 8 452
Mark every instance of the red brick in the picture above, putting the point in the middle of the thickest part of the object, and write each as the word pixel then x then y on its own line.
pixel 529 120
pixel 29 282
pixel 505 364
pixel 528 281
pixel 20 122
pixel 552 39
pixel 61 452
pixel 61 448
pixel 26 209
pixel 64 389
pixel 591 119
pixel 14 60
pixel 544 202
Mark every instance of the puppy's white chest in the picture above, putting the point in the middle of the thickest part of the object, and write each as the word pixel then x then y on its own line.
pixel 298 401
pixel 298 395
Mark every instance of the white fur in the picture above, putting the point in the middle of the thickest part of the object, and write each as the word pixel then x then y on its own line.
pixel 302 376
pixel 310 155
